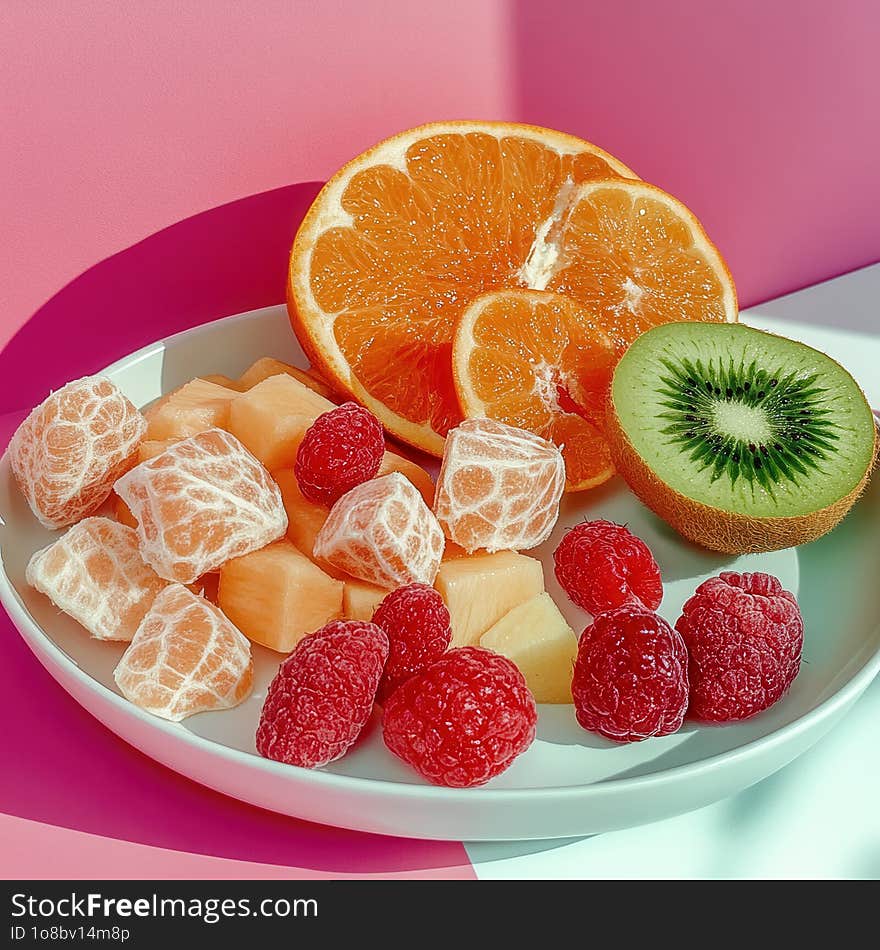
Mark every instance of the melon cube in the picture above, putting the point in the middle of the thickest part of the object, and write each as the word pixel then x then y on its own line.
pixel 304 519
pixel 123 513
pixel 360 599
pixel 479 590
pixel 195 407
pixel 392 462
pixel 225 381
pixel 150 448
pixel 276 595
pixel 271 418
pixel 267 366
pixel 537 639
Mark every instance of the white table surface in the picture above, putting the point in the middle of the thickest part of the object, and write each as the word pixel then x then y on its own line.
pixel 820 816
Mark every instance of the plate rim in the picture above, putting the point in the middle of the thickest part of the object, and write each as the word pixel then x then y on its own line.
pixel 37 640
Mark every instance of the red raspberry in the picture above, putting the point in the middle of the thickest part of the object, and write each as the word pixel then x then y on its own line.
pixel 419 630
pixel 463 720
pixel 341 449
pixel 744 635
pixel 602 565
pixel 630 676
pixel 322 695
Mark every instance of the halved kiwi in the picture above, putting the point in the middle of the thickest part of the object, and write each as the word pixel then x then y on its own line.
pixel 741 440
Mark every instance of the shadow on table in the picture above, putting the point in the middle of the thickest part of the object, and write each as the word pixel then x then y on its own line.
pixel 226 260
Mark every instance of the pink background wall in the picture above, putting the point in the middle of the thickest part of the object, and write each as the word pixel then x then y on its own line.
pixel 121 117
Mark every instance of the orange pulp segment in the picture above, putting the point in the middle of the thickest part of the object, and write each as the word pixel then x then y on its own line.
pixel 403 237
pixel 539 361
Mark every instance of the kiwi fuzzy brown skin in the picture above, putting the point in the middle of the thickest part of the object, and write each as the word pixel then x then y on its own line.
pixel 714 528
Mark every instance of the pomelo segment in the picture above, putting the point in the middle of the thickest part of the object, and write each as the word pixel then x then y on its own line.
pixel 481 589
pixel 95 574
pixel 499 487
pixel 200 503
pixel 382 532
pixel 71 449
pixel 276 595
pixel 185 658
pixel 742 440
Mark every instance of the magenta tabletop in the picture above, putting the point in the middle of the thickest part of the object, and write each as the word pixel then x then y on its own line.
pixel 61 766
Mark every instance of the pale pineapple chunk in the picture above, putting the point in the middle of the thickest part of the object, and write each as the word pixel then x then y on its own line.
pixel 360 599
pixel 150 448
pixel 276 595
pixel 304 519
pixel 195 407
pixel 271 418
pixel 415 473
pixel 535 636
pixel 266 366
pixel 479 590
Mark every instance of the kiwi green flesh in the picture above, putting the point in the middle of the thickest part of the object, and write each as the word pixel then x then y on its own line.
pixel 742 420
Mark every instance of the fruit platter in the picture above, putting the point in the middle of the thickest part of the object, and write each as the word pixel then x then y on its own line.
pixel 505 526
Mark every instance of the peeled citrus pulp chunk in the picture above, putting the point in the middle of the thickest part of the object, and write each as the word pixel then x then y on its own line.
pixel 407 235
pixel 535 636
pixel 542 362
pixel 499 487
pixel 95 574
pixel 71 449
pixel 403 237
pixel 382 532
pixel 479 590
pixel 186 657
pixel 201 502
pixel 276 595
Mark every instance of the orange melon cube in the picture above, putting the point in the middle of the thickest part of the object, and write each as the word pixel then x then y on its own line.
pixel 225 381
pixel 123 513
pixel 197 406
pixel 150 448
pixel 304 519
pixel 360 599
pixel 266 367
pixel 479 590
pixel 271 418
pixel 277 595
pixel 415 473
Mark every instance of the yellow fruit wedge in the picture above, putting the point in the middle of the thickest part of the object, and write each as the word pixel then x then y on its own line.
pixel 537 639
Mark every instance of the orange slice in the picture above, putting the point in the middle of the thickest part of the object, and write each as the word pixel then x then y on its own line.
pixel 636 257
pixel 405 236
pixel 539 361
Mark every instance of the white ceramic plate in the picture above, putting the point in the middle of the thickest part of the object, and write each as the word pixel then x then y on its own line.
pixel 569 782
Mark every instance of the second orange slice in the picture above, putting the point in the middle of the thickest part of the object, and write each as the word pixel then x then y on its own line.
pixel 539 361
